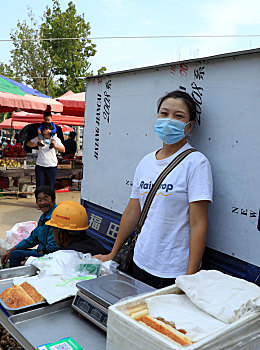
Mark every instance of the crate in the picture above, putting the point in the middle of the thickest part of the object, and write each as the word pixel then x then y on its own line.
pixel 65 165
pixel 27 187
pixel 124 333
pixel 29 166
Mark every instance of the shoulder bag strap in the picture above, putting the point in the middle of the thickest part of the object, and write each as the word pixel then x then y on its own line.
pixel 157 184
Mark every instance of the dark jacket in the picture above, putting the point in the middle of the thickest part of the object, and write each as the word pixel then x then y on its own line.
pixel 87 245
pixel 70 146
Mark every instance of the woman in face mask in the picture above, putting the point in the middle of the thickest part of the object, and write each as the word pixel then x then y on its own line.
pixel 173 237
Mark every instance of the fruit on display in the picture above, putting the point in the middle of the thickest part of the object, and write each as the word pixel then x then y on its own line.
pixel 14 151
pixel 2 162
pixel 11 163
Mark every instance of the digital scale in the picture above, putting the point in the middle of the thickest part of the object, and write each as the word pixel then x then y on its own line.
pixel 95 296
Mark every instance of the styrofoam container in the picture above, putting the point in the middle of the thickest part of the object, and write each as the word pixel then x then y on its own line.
pixel 124 333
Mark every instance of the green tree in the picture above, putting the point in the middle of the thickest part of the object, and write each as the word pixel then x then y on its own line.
pixel 29 60
pixel 69 57
pixel 52 66
pixel 6 70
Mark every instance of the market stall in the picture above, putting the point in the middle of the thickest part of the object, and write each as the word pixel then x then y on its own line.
pixel 70 309
pixel 111 311
pixel 19 170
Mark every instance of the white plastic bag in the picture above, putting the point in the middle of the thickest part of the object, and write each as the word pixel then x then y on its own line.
pixel 20 231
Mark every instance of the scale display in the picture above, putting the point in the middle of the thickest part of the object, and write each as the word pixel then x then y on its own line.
pixel 90 310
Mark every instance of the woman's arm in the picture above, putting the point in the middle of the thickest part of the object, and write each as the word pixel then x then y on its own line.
pixel 198 234
pixel 128 223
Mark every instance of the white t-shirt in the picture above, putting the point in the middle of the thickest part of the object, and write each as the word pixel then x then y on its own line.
pixel 162 248
pixel 47 157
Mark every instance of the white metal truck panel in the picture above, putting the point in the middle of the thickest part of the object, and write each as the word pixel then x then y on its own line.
pixel 120 116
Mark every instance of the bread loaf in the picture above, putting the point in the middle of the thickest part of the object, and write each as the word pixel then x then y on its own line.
pixel 165 329
pixel 19 296
pixel 32 292
pixel 15 297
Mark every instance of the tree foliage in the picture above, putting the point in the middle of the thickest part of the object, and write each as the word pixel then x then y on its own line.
pixel 29 60
pixel 52 66
pixel 69 57
pixel 6 70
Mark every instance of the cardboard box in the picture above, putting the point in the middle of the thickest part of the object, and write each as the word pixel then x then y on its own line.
pixel 124 333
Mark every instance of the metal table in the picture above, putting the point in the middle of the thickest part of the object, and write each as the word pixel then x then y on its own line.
pixel 48 323
pixel 18 173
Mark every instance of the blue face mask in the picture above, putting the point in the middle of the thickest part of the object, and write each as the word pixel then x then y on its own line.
pixel 170 130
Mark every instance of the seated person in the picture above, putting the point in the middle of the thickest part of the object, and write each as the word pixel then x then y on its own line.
pixel 70 221
pixel 47 117
pixel 42 235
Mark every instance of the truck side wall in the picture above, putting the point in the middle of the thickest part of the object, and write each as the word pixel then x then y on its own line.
pixel 120 115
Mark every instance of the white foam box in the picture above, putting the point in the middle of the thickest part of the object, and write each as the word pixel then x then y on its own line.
pixel 125 333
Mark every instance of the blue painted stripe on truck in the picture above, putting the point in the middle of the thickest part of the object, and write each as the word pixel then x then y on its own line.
pixel 104 224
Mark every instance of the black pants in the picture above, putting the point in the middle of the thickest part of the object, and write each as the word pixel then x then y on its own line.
pixel 45 175
pixel 17 256
pixel 146 277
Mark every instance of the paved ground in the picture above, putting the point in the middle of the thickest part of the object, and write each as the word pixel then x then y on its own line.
pixel 14 210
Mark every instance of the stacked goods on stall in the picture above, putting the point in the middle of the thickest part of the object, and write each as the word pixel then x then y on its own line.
pixel 10 163
pixel 15 151
pixel 30 164
pixel 69 161
pixel 2 164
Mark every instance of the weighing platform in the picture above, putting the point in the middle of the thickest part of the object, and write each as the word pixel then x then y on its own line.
pixel 50 323
pixel 95 296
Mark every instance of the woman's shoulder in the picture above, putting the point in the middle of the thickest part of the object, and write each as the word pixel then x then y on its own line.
pixel 198 155
pixel 148 157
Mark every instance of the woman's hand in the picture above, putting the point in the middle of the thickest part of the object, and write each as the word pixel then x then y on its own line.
pixel 104 258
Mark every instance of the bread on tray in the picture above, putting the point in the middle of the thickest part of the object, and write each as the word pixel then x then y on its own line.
pixel 19 296
pixel 32 292
pixel 159 325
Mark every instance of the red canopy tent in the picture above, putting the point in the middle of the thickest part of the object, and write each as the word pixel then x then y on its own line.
pixel 8 124
pixel 73 104
pixel 11 102
pixel 66 128
pixel 56 118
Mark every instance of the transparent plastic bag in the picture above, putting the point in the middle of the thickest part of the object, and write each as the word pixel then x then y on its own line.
pixel 89 266
pixel 20 231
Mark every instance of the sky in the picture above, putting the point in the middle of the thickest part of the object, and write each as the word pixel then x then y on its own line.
pixel 109 18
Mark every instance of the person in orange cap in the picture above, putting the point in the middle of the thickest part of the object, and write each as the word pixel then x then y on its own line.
pixel 69 221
